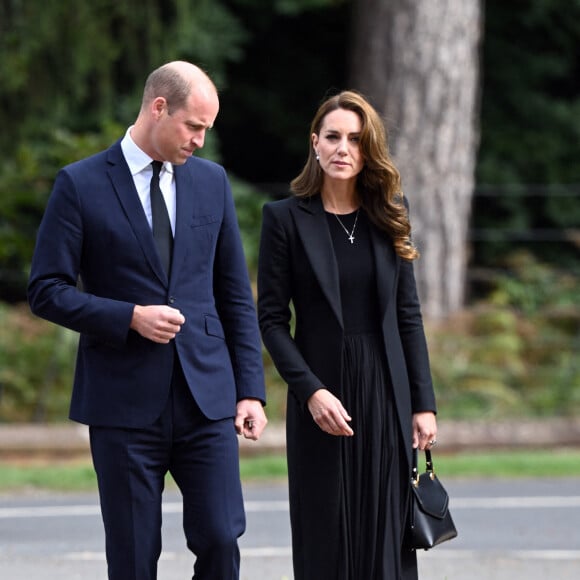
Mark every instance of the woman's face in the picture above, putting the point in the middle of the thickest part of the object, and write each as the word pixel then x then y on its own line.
pixel 337 145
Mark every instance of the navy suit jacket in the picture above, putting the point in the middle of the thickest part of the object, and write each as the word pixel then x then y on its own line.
pixel 95 258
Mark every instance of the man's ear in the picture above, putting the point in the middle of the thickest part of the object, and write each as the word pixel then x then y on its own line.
pixel 158 107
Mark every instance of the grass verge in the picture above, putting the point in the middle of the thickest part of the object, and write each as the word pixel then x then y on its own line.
pixel 505 464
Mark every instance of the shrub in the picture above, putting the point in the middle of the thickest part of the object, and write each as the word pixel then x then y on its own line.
pixel 517 352
pixel 36 366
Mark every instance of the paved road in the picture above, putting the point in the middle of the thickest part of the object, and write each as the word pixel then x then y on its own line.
pixel 524 529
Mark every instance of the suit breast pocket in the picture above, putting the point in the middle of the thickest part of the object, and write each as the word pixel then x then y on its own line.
pixel 204 230
pixel 203 220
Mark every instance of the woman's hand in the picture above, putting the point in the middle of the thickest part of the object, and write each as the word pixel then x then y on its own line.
pixel 424 430
pixel 329 414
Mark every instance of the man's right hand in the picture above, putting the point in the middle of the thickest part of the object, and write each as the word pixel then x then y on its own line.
pixel 158 323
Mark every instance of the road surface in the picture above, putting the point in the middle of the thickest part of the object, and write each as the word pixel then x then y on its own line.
pixel 508 530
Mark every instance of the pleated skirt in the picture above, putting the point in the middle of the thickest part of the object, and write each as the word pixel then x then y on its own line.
pixel 373 472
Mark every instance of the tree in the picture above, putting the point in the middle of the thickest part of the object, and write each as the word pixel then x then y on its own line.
pixel 528 170
pixel 76 65
pixel 418 61
pixel 71 79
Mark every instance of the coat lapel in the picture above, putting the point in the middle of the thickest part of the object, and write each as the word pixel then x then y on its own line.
pixel 127 194
pixel 313 229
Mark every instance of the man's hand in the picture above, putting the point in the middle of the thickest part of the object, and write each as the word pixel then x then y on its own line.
pixel 158 323
pixel 329 414
pixel 250 418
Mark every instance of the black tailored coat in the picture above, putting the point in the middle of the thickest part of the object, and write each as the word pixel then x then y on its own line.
pixel 297 267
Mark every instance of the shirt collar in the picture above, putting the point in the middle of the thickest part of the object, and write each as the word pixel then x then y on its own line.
pixel 136 158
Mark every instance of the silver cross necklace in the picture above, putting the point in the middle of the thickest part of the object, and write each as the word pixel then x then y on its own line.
pixel 351 233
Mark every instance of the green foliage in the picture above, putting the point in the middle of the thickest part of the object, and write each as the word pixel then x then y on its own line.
pixel 71 76
pixel 531 101
pixel 58 104
pixel 76 65
pixel 36 357
pixel 249 204
pixel 530 286
pixel 27 180
pixel 529 128
pixel 515 354
pixel 36 367
pixel 25 183
pixel 71 79
pixel 286 7
pixel 297 51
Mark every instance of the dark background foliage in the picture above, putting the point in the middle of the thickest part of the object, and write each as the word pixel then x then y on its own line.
pixel 71 76
pixel 74 72
pixel 528 170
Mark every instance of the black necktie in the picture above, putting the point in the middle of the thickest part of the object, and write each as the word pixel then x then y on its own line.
pixel 161 224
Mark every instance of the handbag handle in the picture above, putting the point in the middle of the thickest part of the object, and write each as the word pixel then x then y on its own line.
pixel 429 468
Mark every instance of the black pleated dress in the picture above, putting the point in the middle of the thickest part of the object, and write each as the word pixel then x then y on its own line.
pixel 373 474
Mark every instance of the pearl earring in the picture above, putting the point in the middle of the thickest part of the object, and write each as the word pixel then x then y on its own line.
pixel 317 156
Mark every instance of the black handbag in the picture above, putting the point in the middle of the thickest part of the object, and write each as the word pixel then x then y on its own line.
pixel 429 522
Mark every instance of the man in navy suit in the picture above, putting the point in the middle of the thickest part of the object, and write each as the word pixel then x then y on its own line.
pixel 169 364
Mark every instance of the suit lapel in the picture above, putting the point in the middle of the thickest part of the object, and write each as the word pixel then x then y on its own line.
pixel 313 230
pixel 127 194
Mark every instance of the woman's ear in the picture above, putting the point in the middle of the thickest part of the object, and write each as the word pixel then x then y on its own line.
pixel 314 139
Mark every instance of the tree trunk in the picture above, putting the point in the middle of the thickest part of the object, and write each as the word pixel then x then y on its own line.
pixel 418 62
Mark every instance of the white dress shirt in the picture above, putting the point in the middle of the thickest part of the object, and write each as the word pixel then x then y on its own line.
pixel 140 166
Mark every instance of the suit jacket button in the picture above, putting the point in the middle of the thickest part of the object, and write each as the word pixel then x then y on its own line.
pixel 171 300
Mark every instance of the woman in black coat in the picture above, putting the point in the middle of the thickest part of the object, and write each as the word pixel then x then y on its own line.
pixel 360 394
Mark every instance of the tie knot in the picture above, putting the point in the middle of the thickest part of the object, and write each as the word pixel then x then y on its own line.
pixel 157 165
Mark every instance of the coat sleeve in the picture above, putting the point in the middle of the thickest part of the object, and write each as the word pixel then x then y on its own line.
pixel 235 304
pixel 275 284
pixel 411 331
pixel 53 290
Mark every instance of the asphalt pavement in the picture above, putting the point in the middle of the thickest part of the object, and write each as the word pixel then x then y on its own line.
pixel 527 530
pixel 508 530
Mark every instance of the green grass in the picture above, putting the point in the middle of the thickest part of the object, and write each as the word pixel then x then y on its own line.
pixel 61 477
pixel 511 464
pixel 263 467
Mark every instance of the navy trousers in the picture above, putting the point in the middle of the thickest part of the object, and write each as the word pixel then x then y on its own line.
pixel 202 457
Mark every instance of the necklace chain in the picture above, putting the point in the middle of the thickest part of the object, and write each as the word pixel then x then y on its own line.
pixel 351 233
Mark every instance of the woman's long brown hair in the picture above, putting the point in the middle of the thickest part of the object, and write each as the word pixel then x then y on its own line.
pixel 379 182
